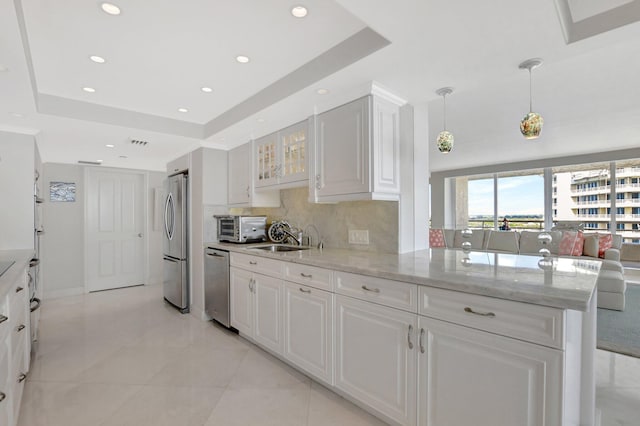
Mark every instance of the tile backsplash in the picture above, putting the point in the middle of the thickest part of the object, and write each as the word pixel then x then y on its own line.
pixel 334 221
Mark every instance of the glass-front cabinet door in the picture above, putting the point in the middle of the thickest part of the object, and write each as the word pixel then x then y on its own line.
pixel 266 160
pixel 293 160
pixel 281 157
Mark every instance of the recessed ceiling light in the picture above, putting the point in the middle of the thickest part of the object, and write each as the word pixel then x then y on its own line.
pixel 110 145
pixel 242 59
pixel 89 89
pixel 3 68
pixel 183 110
pixel 123 156
pixel 322 91
pixel 97 59
pixel 98 161
pixel 110 8
pixel 16 114
pixel 206 89
pixel 299 11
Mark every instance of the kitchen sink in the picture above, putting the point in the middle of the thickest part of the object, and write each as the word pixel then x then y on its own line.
pixel 280 247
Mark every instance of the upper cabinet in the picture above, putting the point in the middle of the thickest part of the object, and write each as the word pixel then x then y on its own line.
pixel 356 151
pixel 281 158
pixel 241 182
pixel 178 165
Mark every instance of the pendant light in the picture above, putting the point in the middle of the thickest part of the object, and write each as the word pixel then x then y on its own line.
pixel 445 138
pixel 531 124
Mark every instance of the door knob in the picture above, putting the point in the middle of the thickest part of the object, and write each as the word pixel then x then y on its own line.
pixel 140 235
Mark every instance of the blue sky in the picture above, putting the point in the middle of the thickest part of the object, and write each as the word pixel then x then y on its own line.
pixel 517 195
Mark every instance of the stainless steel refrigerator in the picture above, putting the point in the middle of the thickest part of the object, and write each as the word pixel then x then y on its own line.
pixel 175 245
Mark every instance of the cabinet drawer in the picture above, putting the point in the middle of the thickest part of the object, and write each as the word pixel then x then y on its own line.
pixel 4 385
pixel 5 319
pixel 19 333
pixel 257 264
pixel 532 323
pixel 308 275
pixel 395 294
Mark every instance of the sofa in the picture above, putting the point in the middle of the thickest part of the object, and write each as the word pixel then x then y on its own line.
pixel 565 243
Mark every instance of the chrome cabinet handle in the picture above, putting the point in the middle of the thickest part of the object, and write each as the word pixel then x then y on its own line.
pixel 19 289
pixel 248 194
pixel 305 290
pixel 251 285
pixel 20 328
pixel 3 318
pixel 422 340
pixel 410 332
pixel 34 262
pixel 3 396
pixel 483 314
pixel 302 274
pixel 38 302
pixel 251 262
pixel 317 181
pixel 21 377
pixel 372 290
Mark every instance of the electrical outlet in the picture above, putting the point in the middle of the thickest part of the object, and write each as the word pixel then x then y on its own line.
pixel 358 236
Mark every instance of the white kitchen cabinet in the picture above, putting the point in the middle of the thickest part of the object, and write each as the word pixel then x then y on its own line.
pixel 256 306
pixel 467 375
pixel 356 151
pixel 15 343
pixel 179 164
pixel 241 184
pixel 375 357
pixel 281 157
pixel 308 331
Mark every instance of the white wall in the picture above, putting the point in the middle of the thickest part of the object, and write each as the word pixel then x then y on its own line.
pixel 62 244
pixel 17 175
pixel 154 227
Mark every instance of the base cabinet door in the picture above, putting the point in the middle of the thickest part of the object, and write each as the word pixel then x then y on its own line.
pixel 376 357
pixel 267 296
pixel 468 376
pixel 241 300
pixel 308 334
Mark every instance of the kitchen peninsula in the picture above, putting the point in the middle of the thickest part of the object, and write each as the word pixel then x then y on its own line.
pixel 431 337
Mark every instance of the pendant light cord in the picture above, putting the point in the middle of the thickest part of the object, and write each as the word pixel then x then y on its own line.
pixel 530 92
pixel 444 111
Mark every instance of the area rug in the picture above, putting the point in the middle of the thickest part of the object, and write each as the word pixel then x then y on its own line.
pixel 620 331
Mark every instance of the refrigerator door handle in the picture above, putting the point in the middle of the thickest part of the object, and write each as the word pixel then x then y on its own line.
pixel 168 211
pixel 170 259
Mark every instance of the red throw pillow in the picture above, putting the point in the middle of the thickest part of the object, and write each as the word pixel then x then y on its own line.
pixel 578 245
pixel 436 238
pixel 605 242
pixel 565 248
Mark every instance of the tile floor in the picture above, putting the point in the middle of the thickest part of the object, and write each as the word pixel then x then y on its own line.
pixel 124 357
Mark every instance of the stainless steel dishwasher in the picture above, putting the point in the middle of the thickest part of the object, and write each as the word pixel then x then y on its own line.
pixel 216 285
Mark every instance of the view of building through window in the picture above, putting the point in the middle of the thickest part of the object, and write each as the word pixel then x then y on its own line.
pixel 601 196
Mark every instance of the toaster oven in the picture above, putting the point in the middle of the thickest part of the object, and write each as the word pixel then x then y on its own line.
pixel 242 229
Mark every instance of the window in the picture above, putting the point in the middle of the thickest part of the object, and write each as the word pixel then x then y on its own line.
pixel 635 210
pixel 621 181
pixel 634 180
pixel 620 226
pixel 620 196
pixel 635 195
pixel 634 227
pixel 619 210
pixel 480 202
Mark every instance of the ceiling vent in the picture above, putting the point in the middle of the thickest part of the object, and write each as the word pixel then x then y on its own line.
pixel 93 163
pixel 138 142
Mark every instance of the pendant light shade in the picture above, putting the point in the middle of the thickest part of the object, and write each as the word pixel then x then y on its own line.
pixel 445 138
pixel 531 124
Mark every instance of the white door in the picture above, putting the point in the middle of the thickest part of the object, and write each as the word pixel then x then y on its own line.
pixel 376 357
pixel 241 300
pixel 114 229
pixel 308 335
pixel 471 377
pixel 267 294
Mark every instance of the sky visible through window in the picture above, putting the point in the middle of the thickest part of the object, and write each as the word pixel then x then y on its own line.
pixel 517 195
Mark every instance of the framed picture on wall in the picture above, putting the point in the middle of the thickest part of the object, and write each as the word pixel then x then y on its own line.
pixel 62 192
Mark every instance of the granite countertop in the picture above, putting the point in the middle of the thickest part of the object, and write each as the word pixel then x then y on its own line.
pixel 12 275
pixel 568 283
